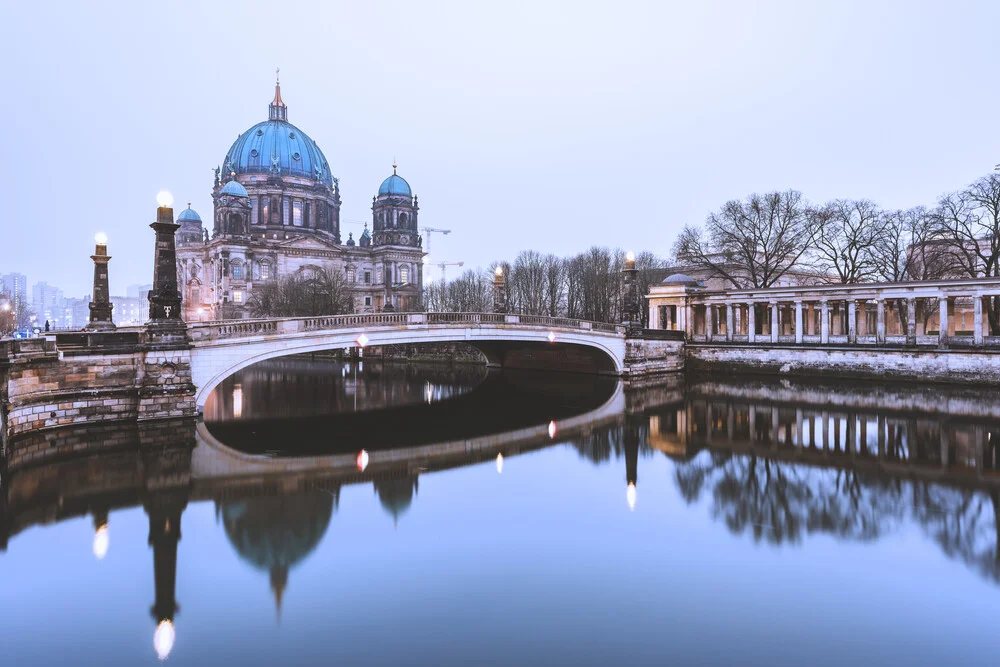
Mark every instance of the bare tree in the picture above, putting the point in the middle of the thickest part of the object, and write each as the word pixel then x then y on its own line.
pixel 751 242
pixel 968 224
pixel 314 291
pixel 907 246
pixel 844 234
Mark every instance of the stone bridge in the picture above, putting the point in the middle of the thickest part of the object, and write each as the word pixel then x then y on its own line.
pixel 520 341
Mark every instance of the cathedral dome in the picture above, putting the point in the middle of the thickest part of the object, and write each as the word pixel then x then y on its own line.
pixel 189 215
pixel 395 185
pixel 234 189
pixel 275 146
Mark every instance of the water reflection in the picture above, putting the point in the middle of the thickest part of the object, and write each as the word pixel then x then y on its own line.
pixel 775 463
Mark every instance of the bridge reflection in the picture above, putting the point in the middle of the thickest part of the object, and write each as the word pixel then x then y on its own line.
pixel 776 462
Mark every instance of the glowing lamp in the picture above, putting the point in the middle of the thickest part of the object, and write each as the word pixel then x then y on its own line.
pixel 101 541
pixel 362 460
pixel 362 340
pixel 164 199
pixel 553 429
pixel 630 256
pixel 499 463
pixel 163 639
pixel 498 272
pixel 5 307
pixel 552 336
pixel 101 238
pixel 630 496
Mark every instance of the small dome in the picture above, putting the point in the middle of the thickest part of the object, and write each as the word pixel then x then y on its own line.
pixel 189 215
pixel 234 189
pixel 680 279
pixel 350 239
pixel 395 185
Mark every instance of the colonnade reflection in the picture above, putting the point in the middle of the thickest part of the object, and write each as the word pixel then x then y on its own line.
pixel 857 465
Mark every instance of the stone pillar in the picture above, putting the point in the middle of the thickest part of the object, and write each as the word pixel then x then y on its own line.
pixel 798 321
pixel 824 324
pixel 943 322
pixel 709 322
pixel 100 307
pixel 751 323
pixel 852 322
pixel 689 319
pixel 499 291
pixel 911 322
pixel 729 322
pixel 977 319
pixel 774 322
pixel 880 321
pixel 810 319
pixel 631 314
pixel 165 323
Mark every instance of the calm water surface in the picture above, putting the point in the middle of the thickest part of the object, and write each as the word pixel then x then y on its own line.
pixel 509 519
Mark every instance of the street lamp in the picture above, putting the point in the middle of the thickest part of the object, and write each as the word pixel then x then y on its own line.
pixel 164 199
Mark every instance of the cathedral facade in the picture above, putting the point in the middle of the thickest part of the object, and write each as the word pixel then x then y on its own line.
pixel 276 213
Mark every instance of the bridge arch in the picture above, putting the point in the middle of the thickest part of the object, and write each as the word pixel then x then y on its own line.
pixel 221 349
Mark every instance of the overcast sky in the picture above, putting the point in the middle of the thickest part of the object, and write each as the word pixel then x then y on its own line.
pixel 544 125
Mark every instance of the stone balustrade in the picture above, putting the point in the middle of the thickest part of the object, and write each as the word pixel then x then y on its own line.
pixel 200 332
pixel 941 314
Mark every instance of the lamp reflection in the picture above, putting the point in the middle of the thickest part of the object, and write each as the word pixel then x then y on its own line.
pixel 630 496
pixel 499 463
pixel 163 638
pixel 362 460
pixel 553 429
pixel 101 541
pixel 237 401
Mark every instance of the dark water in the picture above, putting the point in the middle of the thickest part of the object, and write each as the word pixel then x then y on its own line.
pixel 703 521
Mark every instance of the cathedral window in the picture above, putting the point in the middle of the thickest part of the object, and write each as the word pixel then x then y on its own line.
pixel 265 271
pixel 254 213
pixel 237 271
pixel 402 220
pixel 404 275
pixel 368 301
pixel 265 201
pixel 378 275
pixel 350 275
pixel 284 211
pixel 297 213
pixel 195 295
pixel 368 277
pixel 237 296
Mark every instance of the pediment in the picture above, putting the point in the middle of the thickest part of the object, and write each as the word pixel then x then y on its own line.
pixel 308 243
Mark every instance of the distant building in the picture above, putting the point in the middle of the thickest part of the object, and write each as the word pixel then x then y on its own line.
pixel 131 311
pixel 138 291
pixel 16 285
pixel 277 214
pixel 47 302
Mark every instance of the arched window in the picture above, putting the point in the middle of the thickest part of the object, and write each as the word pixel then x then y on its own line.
pixel 404 274
pixel 402 220
pixel 350 274
pixel 265 270
pixel 237 271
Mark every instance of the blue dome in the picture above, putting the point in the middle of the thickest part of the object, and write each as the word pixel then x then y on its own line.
pixel 189 215
pixel 277 145
pixel 234 189
pixel 395 185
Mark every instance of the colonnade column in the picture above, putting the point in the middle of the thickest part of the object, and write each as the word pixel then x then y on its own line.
pixel 852 322
pixel 689 319
pixel 751 323
pixel 824 325
pixel 880 321
pixel 774 321
pixel 977 320
pixel 943 321
pixel 798 321
pixel 911 321
pixel 729 322
pixel 709 322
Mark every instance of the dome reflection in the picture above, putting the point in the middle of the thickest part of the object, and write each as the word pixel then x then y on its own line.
pixel 396 495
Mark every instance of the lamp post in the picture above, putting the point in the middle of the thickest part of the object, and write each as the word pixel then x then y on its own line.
pixel 100 307
pixel 499 291
pixel 630 301
pixel 165 323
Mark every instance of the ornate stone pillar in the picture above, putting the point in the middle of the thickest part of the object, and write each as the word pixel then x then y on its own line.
pixel 911 321
pixel 100 307
pixel 824 324
pixel 852 322
pixel 631 315
pixel 977 319
pixel 751 323
pixel 798 321
pixel 165 323
pixel 729 322
pixel 499 291
pixel 774 321
pixel 943 321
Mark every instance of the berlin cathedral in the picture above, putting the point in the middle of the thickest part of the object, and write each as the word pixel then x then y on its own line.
pixel 277 213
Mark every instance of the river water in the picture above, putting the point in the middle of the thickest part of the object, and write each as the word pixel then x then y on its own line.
pixel 327 513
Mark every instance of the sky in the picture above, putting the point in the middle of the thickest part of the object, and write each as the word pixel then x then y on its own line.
pixel 551 126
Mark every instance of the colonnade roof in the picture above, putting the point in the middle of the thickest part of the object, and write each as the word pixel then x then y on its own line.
pixel 902 290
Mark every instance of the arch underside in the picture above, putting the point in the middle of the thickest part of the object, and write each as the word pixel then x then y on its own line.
pixel 572 352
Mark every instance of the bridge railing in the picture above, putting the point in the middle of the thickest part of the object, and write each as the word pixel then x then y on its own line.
pixel 228 329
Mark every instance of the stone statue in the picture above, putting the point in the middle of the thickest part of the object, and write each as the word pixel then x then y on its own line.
pixel 217 170
pixel 206 236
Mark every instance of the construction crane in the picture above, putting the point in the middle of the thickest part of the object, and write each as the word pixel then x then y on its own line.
pixel 444 265
pixel 428 230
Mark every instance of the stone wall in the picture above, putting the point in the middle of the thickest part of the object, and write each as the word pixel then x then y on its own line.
pixel 653 353
pixel 924 365
pixel 49 387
